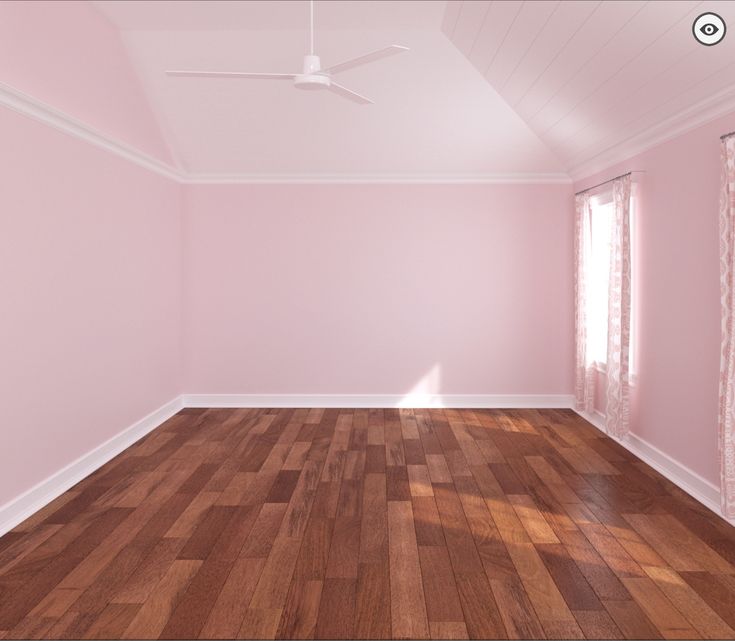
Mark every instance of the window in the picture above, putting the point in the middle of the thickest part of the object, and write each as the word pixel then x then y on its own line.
pixel 598 277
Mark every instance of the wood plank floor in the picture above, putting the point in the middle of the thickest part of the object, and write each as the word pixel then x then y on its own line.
pixel 310 523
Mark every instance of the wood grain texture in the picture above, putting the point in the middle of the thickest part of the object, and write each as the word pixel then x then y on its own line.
pixel 340 523
pixel 408 606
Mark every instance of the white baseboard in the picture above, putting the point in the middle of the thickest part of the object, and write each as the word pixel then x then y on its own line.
pixel 20 508
pixel 470 401
pixel 680 475
pixel 32 500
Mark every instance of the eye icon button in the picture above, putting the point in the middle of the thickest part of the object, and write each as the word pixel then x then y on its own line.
pixel 709 29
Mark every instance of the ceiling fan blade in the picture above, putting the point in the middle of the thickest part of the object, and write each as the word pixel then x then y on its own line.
pixel 350 95
pixel 368 57
pixel 232 74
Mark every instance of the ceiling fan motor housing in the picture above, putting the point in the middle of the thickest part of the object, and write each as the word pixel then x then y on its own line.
pixel 312 78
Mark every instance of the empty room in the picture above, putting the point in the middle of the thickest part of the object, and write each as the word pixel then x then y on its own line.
pixel 398 319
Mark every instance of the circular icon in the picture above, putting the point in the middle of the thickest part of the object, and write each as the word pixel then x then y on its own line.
pixel 709 29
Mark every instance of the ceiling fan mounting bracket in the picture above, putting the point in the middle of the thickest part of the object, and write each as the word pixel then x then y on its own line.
pixel 312 64
pixel 313 77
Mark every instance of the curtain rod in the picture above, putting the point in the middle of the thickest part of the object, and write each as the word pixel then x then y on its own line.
pixel 604 182
pixel 732 133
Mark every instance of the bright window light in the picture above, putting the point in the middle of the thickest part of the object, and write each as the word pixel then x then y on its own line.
pixel 598 278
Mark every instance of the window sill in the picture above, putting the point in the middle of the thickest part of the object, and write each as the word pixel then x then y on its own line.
pixel 602 369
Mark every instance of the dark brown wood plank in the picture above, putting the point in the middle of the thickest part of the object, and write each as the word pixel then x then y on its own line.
pixel 194 606
pixel 152 617
pixel 440 588
pixel 571 583
pixel 341 523
pixel 408 607
pixel 301 610
pixel 631 620
pixel 336 610
pixel 229 610
pixel 372 601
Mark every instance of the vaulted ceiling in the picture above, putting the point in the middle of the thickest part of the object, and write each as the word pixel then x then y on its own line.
pixel 534 88
pixel 432 114
pixel 589 76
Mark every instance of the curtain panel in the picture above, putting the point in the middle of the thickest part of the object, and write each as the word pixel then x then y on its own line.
pixel 618 313
pixel 618 320
pixel 727 355
pixel 584 372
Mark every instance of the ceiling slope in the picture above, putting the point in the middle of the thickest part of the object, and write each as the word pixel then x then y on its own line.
pixel 46 66
pixel 598 80
pixel 434 117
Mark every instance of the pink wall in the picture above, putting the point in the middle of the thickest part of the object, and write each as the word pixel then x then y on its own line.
pixel 675 400
pixel 372 288
pixel 90 266
pixel 66 54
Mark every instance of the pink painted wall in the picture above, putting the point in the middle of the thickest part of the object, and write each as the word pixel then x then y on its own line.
pixel 675 401
pixel 373 289
pixel 66 54
pixel 90 266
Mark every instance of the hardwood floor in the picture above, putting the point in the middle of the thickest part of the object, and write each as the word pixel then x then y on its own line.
pixel 315 523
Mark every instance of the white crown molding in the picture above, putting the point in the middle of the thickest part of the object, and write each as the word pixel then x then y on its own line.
pixel 679 474
pixel 26 105
pixel 417 179
pixel 477 401
pixel 19 509
pixel 695 116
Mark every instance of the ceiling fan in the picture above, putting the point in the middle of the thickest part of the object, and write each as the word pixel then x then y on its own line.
pixel 313 76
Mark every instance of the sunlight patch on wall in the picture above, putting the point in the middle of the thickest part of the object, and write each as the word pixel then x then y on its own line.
pixel 425 393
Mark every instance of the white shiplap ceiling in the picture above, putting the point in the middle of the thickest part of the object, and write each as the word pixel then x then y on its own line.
pixel 591 77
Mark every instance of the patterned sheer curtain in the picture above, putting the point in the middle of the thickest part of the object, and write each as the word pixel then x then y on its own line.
pixel 618 310
pixel 727 356
pixel 585 373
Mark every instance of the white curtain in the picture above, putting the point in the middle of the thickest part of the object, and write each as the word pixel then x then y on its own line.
pixel 727 356
pixel 585 373
pixel 618 320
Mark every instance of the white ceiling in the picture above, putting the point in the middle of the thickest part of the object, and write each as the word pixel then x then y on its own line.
pixel 503 87
pixel 589 75
pixel 223 15
pixel 432 115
